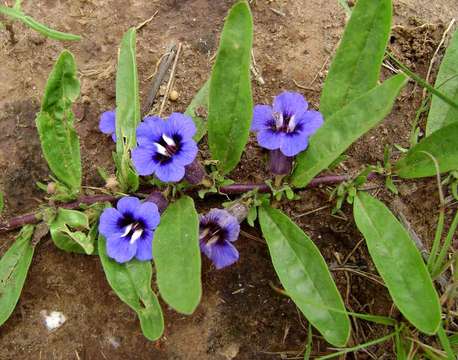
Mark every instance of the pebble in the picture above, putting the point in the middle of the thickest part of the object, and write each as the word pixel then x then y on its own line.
pixel 54 319
pixel 173 95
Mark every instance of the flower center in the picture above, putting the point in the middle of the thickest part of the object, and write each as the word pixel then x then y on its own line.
pixel 134 231
pixel 166 146
pixel 284 122
pixel 211 234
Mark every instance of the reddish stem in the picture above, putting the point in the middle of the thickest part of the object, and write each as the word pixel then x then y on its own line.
pixel 321 180
pixel 233 189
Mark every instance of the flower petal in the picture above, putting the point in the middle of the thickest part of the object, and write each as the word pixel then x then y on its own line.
pixel 143 158
pixel 150 130
pixel 290 103
pixel 121 249
pixel 309 122
pixel 170 172
pixel 128 205
pixel 231 225
pixel 149 214
pixel 294 143
pixel 180 124
pixel 187 153
pixel 107 123
pixel 262 117
pixel 221 255
pixel 269 139
pixel 108 223
pixel 145 246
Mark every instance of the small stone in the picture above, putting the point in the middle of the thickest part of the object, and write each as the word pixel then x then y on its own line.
pixel 230 351
pixel 173 95
pixel 111 183
pixel 53 320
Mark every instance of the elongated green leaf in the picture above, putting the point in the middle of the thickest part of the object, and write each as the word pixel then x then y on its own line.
pixel 441 113
pixel 2 202
pixel 305 276
pixel 66 234
pixel 197 110
pixel 132 283
pixel 59 141
pixel 358 60
pixel 453 339
pixel 14 266
pixel 127 110
pixel 17 14
pixel 399 262
pixel 177 256
pixel 400 348
pixel 442 144
pixel 230 103
pixel 344 128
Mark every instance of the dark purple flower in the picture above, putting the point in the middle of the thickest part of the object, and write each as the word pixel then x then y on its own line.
pixel 218 229
pixel 165 147
pixel 107 124
pixel 129 229
pixel 287 125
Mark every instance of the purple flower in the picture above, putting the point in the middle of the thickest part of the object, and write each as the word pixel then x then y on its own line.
pixel 107 124
pixel 218 229
pixel 129 229
pixel 165 147
pixel 287 125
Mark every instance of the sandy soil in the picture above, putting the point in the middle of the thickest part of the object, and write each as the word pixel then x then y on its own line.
pixel 240 317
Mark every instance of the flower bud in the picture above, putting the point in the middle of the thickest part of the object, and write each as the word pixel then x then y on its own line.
pixel 239 211
pixel 51 188
pixel 280 164
pixel 157 198
pixel 194 173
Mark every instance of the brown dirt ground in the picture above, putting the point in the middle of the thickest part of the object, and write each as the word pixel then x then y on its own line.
pixel 240 316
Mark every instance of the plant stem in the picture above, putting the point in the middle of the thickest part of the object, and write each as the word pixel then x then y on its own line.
pixel 438 263
pixel 437 240
pixel 422 82
pixel 321 180
pixel 233 189
pixel 359 347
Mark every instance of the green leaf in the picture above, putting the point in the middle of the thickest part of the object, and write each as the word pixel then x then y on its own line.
pixel 344 128
pixel 132 283
pixel 305 276
pixel 2 202
pixel 453 340
pixel 17 14
pixel 358 60
pixel 177 256
pixel 55 123
pixel 230 103
pixel 197 110
pixel 127 111
pixel 441 113
pixel 441 144
pixel 445 342
pixel 14 266
pixel 400 348
pixel 67 239
pixel 399 263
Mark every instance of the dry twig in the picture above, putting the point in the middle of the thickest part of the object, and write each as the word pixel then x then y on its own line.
pixel 169 84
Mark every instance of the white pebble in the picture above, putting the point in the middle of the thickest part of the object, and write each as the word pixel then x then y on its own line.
pixel 53 320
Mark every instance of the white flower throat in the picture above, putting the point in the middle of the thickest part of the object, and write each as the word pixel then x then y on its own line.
pixel 282 124
pixel 170 147
pixel 136 234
